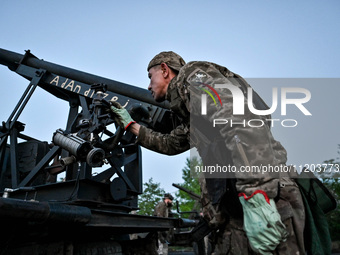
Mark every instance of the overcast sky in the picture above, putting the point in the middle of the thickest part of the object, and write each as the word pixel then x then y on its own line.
pixel 117 39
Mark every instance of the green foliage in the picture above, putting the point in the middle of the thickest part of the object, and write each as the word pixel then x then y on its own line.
pixel 187 203
pixel 152 194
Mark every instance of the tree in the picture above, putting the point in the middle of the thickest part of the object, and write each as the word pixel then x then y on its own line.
pixel 190 178
pixel 152 194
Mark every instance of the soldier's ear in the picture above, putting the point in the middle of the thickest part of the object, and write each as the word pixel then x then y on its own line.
pixel 165 70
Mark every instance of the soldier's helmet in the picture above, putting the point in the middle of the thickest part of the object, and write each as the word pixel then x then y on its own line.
pixel 172 59
pixel 169 196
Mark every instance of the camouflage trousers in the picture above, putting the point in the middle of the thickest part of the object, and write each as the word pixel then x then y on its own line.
pixel 230 238
pixel 162 248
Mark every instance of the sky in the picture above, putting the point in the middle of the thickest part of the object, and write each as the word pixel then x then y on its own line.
pixel 267 42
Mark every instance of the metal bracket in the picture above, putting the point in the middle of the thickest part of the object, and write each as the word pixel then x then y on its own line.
pixel 12 127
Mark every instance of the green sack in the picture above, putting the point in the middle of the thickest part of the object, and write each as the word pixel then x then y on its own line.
pixel 316 234
pixel 262 223
pixel 316 191
pixel 318 201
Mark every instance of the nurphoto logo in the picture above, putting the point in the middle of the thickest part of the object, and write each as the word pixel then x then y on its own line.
pixel 239 105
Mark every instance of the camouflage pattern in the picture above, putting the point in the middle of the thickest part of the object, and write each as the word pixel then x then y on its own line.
pixel 164 237
pixel 171 144
pixel 162 210
pixel 172 59
pixel 292 211
pixel 231 238
pixel 236 145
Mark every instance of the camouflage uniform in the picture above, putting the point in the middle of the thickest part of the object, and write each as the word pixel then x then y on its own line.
pixel 228 145
pixel 162 210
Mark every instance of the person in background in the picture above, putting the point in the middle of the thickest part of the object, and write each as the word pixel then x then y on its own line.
pixel 163 209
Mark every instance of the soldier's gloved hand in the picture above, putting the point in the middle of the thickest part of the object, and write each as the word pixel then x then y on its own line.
pixel 262 222
pixel 122 117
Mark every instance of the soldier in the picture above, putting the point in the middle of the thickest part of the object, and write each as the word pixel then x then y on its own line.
pixel 250 212
pixel 163 209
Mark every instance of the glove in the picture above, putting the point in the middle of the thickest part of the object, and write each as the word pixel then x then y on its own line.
pixel 122 117
pixel 262 222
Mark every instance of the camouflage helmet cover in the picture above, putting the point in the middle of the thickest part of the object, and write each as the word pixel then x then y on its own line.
pixel 169 196
pixel 170 58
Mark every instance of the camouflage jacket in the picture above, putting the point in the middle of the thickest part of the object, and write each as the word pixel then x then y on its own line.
pixel 161 210
pixel 238 145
